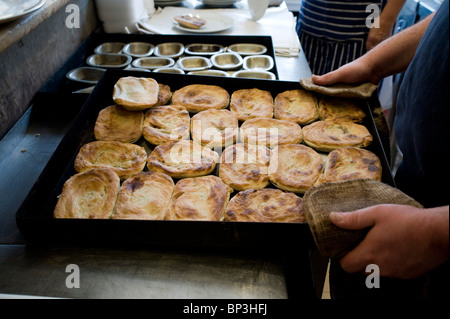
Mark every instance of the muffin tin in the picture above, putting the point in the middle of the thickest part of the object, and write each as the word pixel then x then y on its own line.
pixel 225 56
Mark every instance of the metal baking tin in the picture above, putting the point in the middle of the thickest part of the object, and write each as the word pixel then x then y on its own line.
pixel 203 49
pixel 110 47
pixel 258 63
pixel 152 62
pixel 227 61
pixel 169 49
pixel 35 216
pixel 85 74
pixel 250 74
pixel 194 63
pixel 138 49
pixel 109 60
pixel 245 49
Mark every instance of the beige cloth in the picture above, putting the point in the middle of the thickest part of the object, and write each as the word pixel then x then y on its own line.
pixel 347 196
pixel 359 91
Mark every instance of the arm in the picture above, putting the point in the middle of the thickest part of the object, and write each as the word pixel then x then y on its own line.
pixel 405 242
pixel 388 17
pixel 389 57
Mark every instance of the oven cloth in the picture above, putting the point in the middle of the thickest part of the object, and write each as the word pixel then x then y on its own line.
pixel 357 91
pixel 346 196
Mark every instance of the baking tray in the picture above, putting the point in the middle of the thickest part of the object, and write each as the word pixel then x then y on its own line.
pixel 35 216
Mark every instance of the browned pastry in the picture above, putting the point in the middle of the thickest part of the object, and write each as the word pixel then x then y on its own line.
pixel 295 167
pixel 327 136
pixel 214 128
pixel 90 194
pixel 270 132
pixel 144 196
pixel 352 163
pixel 136 94
pixel 199 198
pixel 251 103
pixel 114 123
pixel 340 109
pixel 265 205
pixel 125 159
pixel 182 159
pixel 164 94
pixel 166 123
pixel 245 166
pixel 296 105
pixel 200 97
pixel 190 21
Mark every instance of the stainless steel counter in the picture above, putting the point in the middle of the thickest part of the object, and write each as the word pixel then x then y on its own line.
pixel 122 272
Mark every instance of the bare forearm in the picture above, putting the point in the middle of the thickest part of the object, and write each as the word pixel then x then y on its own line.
pixel 389 57
pixel 395 54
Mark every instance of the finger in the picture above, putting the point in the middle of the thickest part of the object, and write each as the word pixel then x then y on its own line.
pixel 356 260
pixel 359 219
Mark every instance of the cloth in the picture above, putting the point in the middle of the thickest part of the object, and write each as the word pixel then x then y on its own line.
pixel 320 201
pixel 277 22
pixel 422 117
pixel 361 91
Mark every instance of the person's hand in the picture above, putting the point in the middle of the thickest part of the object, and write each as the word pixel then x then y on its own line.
pixel 404 241
pixel 354 72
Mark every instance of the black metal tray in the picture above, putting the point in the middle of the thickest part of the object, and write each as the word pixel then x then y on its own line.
pixel 35 216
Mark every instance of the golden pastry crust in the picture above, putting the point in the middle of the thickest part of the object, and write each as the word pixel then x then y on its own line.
pixel 182 159
pixel 251 103
pixel 189 21
pixel 295 167
pixel 214 128
pixel 114 123
pixel 299 106
pixel 164 94
pixel 352 163
pixel 270 132
pixel 136 94
pixel 340 109
pixel 245 166
pixel 144 196
pixel 125 159
pixel 199 198
pixel 200 97
pixel 90 194
pixel 327 136
pixel 265 205
pixel 166 123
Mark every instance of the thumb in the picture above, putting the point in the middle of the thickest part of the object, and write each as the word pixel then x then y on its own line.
pixel 359 219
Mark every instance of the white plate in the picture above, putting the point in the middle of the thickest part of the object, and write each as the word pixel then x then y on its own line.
pixel 14 9
pixel 214 23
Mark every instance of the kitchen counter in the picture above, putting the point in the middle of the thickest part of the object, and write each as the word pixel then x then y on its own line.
pixel 125 272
